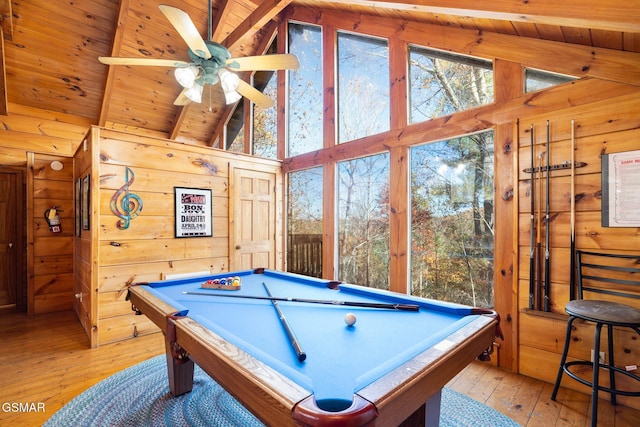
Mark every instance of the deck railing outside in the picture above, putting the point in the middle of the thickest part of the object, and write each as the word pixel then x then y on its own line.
pixel 304 254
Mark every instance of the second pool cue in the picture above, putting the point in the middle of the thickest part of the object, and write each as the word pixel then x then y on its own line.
pixel 547 226
pixel 300 354
pixel 539 237
pixel 532 255
pixel 572 261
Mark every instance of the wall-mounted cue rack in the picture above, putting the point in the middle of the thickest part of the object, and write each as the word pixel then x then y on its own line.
pixel 539 250
pixel 563 165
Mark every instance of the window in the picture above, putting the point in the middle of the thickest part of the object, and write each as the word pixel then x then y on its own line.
pixel 363 86
pixel 452 218
pixel 265 122
pixel 363 221
pixel 537 80
pixel 442 83
pixel 234 131
pixel 305 90
pixel 304 226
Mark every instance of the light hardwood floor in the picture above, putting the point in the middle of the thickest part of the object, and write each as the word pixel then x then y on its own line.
pixel 46 360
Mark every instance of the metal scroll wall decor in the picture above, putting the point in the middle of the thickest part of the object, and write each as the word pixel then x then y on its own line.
pixel 126 205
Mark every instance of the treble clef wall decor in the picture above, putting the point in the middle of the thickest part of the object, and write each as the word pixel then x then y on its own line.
pixel 125 205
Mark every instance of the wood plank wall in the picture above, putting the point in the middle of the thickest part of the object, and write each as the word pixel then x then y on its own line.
pixel 42 137
pixel 30 129
pixel 84 251
pixel 49 254
pixel 607 126
pixel 147 248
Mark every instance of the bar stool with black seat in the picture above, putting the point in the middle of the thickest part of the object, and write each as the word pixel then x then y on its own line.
pixel 618 277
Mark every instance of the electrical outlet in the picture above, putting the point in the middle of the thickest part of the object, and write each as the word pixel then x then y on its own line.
pixel 601 361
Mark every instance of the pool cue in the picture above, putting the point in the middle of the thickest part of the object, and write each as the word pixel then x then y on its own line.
pixel 405 307
pixel 532 256
pixel 538 236
pixel 547 266
pixel 300 354
pixel 572 261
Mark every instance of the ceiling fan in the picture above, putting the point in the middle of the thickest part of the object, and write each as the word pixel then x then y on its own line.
pixel 211 63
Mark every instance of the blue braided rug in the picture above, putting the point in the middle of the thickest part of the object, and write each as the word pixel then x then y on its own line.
pixel 139 396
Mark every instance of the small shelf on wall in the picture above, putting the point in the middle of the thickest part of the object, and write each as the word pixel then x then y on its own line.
pixel 545 314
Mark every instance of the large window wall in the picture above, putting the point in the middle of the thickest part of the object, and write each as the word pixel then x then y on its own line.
pixel 449 240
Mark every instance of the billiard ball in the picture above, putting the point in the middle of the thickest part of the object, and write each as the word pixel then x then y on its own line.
pixel 350 319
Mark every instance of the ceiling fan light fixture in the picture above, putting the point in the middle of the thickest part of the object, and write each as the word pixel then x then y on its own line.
pixel 228 80
pixel 194 93
pixel 232 96
pixel 186 76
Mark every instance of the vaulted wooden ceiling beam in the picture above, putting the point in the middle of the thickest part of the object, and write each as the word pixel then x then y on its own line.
pixel 224 10
pixel 612 15
pixel 6 19
pixel 268 10
pixel 115 51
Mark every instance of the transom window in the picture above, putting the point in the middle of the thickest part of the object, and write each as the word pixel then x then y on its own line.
pixel 441 83
pixel 537 80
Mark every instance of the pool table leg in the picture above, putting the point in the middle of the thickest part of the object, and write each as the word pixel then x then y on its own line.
pixel 179 365
pixel 432 410
pixel 428 415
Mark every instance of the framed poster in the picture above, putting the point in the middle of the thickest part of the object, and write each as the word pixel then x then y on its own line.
pixel 193 212
pixel 77 206
pixel 621 189
pixel 86 205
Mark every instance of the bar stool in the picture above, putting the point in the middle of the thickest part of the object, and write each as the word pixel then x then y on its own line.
pixel 617 276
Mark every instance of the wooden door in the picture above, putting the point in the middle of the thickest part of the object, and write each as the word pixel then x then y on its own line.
pixel 252 207
pixel 10 249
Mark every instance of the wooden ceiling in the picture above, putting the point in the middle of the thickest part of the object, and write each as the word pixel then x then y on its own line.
pixel 50 48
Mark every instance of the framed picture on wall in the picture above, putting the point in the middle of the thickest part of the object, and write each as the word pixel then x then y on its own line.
pixel 86 198
pixel 77 206
pixel 193 212
pixel 621 189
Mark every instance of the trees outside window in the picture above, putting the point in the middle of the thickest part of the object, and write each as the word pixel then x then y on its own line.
pixel 452 220
pixel 304 222
pixel 451 182
pixel 363 86
pixel 363 221
pixel 305 90
pixel 265 122
pixel 442 83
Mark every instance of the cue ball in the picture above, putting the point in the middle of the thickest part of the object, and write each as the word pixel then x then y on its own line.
pixel 350 319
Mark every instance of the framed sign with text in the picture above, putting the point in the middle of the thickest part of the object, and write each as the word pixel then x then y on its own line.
pixel 621 189
pixel 193 212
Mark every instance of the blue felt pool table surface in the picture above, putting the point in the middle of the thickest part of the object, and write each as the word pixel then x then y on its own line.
pixel 341 359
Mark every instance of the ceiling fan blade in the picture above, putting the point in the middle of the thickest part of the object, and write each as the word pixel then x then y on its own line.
pixel 182 99
pixel 283 61
pixel 257 97
pixel 187 30
pixel 110 60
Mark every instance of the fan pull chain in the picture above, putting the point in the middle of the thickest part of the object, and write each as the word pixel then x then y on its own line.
pixel 210 100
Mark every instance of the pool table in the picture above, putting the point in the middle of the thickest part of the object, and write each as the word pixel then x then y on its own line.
pixel 386 369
